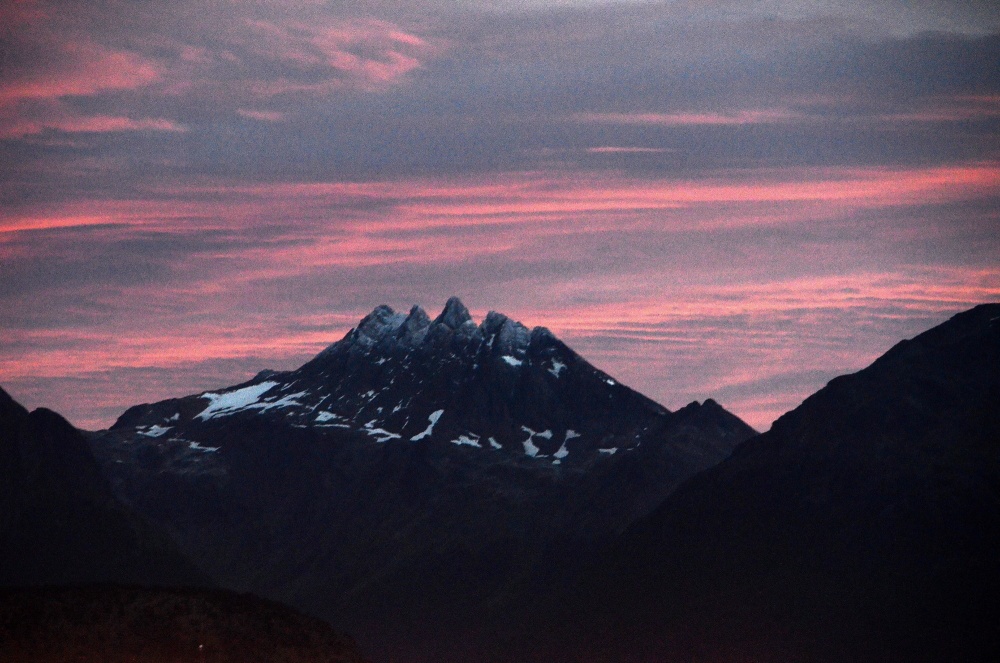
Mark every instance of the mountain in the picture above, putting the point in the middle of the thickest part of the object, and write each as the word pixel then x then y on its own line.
pixel 60 521
pixel 497 386
pixel 426 485
pixel 116 624
pixel 864 525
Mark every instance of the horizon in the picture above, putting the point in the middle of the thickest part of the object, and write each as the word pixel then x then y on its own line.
pixel 478 319
pixel 730 202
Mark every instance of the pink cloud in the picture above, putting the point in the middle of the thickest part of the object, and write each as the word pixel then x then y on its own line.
pixel 61 120
pixel 15 223
pixel 807 326
pixel 611 149
pixel 621 268
pixel 262 115
pixel 740 117
pixel 366 54
pixel 81 69
pixel 542 201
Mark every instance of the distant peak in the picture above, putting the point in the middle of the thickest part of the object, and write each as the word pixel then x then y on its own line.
pixel 454 314
pixel 380 312
pixel 414 328
pixel 493 323
pixel 378 323
pixel 417 318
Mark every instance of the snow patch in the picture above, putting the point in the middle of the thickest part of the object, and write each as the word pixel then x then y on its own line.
pixel 197 447
pixel 563 451
pixel 155 431
pixel 529 445
pixel 176 417
pixel 432 418
pixel 495 444
pixel 557 367
pixel 380 434
pixel 335 420
pixel 529 448
pixel 513 361
pixel 284 401
pixel 471 439
pixel 610 451
pixel 233 401
pixel 611 382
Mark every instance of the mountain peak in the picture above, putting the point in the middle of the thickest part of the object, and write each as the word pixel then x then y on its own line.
pixel 377 325
pixel 414 327
pixel 455 314
pixel 402 377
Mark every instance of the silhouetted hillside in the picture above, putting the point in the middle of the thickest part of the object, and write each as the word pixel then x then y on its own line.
pixel 115 624
pixel 59 520
pixel 865 525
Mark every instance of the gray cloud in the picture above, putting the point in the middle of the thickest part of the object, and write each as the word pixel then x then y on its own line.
pixel 502 94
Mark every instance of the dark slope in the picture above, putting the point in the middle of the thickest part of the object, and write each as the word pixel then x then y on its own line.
pixel 59 520
pixel 115 624
pixel 425 485
pixel 865 525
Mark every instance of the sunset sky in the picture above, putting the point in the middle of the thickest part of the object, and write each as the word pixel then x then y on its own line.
pixel 735 200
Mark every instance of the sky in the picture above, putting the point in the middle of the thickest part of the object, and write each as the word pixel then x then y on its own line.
pixel 728 200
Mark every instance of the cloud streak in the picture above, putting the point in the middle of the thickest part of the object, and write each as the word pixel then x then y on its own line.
pixel 622 268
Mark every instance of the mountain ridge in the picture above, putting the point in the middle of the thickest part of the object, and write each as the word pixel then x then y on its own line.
pixel 452 376
pixel 862 526
pixel 415 475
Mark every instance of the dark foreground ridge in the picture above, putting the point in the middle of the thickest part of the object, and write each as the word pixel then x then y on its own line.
pixel 60 521
pixel 864 526
pixel 426 485
pixel 118 624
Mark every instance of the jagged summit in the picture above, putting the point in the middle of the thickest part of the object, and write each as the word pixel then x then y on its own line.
pixel 401 377
pixel 385 329
pixel 455 314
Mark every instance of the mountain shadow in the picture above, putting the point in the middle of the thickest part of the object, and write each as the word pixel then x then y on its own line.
pixel 865 525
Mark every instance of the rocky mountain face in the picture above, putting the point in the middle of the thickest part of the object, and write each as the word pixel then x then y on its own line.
pixel 497 386
pixel 864 525
pixel 60 521
pixel 416 478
